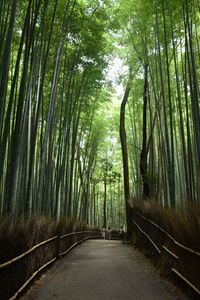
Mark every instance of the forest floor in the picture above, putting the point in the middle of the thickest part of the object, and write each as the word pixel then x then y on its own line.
pixel 102 269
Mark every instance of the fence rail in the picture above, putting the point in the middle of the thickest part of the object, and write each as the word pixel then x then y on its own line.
pixel 166 249
pixel 169 236
pixel 148 237
pixel 4 265
pixel 74 233
pixel 80 237
pixel 31 278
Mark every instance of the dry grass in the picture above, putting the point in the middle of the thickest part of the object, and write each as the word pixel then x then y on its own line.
pixel 17 238
pixel 184 226
pixel 23 234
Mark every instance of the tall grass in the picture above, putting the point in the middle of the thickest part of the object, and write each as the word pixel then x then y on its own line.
pixel 16 238
pixel 184 226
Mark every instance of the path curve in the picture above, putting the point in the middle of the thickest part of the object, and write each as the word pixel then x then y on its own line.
pixel 103 270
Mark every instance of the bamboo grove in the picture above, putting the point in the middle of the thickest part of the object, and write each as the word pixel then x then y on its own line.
pixel 53 54
pixel 161 39
pixel 59 150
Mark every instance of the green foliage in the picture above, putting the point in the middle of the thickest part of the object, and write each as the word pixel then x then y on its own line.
pixel 60 112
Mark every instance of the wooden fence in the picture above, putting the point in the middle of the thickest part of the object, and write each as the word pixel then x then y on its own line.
pixel 169 254
pixel 17 273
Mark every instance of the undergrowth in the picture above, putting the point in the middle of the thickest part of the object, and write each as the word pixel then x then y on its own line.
pixel 16 238
pixel 20 236
pixel 184 226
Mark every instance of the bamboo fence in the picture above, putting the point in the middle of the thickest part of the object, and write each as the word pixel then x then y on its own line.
pixel 166 249
pixel 74 239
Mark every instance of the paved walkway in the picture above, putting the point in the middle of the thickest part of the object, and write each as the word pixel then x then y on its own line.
pixel 103 270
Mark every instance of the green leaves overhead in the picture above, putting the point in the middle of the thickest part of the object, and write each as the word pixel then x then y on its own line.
pixel 165 36
pixel 54 87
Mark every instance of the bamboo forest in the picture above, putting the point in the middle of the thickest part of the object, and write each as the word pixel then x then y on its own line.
pixel 79 81
pixel 99 138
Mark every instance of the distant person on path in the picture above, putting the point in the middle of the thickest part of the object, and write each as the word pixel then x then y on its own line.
pixel 103 232
pixel 109 233
pixel 121 234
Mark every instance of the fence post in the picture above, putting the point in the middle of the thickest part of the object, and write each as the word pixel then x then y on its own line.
pixel 57 246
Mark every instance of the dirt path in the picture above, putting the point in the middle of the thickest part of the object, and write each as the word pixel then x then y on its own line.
pixel 100 269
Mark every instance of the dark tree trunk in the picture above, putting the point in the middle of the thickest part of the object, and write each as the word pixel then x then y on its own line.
pixel 105 203
pixel 144 152
pixel 5 63
pixel 125 156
